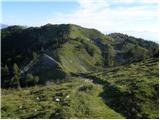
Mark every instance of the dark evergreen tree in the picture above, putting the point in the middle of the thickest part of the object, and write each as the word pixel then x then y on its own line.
pixel 34 56
pixel 15 81
pixel 5 71
pixel 5 76
pixel 110 56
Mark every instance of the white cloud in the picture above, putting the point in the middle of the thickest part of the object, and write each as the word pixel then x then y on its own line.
pixel 101 15
pixel 137 1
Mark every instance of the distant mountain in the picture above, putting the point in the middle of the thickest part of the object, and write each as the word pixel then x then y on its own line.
pixel 132 49
pixel 3 26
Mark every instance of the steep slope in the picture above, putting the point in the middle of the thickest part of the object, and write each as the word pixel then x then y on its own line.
pixel 48 37
pixel 129 49
pixel 45 64
pixel 76 56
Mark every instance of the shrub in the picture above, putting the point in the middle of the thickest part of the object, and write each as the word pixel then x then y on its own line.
pixel 86 88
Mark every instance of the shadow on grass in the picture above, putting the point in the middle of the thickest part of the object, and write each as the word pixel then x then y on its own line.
pixel 122 102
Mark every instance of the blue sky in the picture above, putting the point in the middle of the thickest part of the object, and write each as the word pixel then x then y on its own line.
pixel 33 13
pixel 133 17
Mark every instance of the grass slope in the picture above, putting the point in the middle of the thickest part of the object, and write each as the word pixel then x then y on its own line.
pixel 79 98
pixel 132 90
pixel 75 56
pixel 129 91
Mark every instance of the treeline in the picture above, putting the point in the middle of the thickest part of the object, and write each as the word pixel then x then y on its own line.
pixel 16 78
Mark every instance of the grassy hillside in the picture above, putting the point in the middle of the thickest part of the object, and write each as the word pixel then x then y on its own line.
pixel 129 91
pixel 132 90
pixel 67 71
pixel 79 56
pixel 79 98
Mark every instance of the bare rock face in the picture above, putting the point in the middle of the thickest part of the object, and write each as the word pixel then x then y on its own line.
pixel 47 69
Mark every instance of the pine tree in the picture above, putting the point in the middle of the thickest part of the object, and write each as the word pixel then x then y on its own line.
pixel 5 79
pixel 16 69
pixel 5 71
pixel 34 56
pixel 15 79
pixel 110 55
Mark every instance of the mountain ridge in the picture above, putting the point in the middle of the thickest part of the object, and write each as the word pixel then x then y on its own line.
pixel 75 72
pixel 55 38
